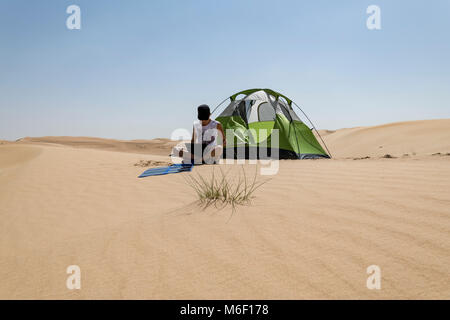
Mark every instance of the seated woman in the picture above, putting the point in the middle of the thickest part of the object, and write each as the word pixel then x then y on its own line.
pixel 206 132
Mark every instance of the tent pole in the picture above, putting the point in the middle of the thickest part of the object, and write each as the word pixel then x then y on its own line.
pixel 219 105
pixel 314 127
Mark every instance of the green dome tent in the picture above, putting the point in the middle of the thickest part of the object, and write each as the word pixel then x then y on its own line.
pixel 249 111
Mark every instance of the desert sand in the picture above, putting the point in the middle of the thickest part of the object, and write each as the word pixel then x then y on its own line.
pixel 310 232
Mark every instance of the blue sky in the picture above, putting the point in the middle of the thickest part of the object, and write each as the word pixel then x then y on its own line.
pixel 138 69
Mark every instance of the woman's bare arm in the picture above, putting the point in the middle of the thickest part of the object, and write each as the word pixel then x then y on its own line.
pixel 220 128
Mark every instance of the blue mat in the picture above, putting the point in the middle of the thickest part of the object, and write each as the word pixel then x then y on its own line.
pixel 175 168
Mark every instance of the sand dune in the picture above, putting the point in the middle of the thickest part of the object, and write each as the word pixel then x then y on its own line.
pixel 12 156
pixel 311 231
pixel 155 146
pixel 414 138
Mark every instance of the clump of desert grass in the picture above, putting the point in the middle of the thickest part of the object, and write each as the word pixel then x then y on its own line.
pixel 220 189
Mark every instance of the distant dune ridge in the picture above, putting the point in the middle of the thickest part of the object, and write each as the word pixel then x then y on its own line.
pixel 310 233
pixel 158 146
pixel 412 137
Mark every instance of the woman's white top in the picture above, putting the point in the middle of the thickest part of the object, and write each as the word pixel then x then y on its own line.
pixel 206 134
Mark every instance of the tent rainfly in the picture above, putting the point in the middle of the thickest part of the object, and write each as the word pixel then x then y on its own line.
pixel 250 110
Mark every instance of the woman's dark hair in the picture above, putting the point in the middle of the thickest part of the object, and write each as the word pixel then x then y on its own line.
pixel 203 112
